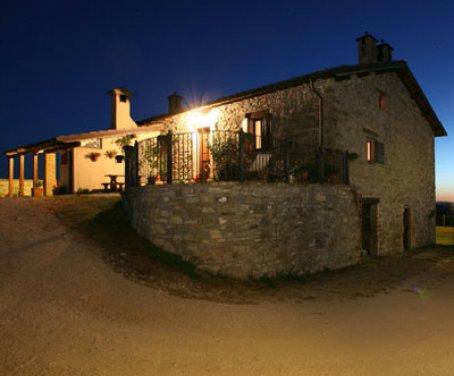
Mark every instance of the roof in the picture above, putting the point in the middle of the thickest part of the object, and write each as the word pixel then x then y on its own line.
pixel 68 141
pixel 342 72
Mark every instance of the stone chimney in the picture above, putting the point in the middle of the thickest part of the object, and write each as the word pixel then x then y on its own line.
pixel 367 49
pixel 369 52
pixel 175 103
pixel 121 109
pixel 384 52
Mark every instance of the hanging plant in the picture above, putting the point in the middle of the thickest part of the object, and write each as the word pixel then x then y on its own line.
pixel 110 153
pixel 124 141
pixel 93 156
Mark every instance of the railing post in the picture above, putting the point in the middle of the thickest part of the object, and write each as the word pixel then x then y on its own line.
pixel 129 159
pixel 241 156
pixel 321 165
pixel 136 178
pixel 169 157
pixel 286 161
pixel 346 166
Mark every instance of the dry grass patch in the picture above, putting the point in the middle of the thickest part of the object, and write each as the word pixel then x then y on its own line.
pixel 100 219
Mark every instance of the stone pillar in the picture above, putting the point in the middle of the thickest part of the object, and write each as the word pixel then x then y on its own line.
pixel 21 175
pixel 35 169
pixel 50 173
pixel 11 176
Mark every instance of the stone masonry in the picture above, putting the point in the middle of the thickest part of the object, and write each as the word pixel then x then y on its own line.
pixel 351 115
pixel 250 229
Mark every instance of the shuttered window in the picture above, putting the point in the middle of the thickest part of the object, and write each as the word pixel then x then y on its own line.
pixel 375 151
pixel 380 149
pixel 259 124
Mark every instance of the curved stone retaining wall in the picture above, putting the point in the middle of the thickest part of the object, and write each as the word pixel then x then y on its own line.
pixel 250 229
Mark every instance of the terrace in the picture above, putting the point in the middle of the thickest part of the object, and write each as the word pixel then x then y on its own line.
pixel 210 156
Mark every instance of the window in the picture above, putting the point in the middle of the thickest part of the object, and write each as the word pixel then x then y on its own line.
pixel 375 151
pixel 94 143
pixel 381 100
pixel 259 124
pixel 370 153
pixel 123 98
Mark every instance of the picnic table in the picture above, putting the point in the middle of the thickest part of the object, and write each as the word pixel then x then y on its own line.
pixel 113 185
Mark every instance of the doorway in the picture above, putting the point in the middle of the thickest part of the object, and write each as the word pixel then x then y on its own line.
pixel 369 237
pixel 407 228
pixel 204 154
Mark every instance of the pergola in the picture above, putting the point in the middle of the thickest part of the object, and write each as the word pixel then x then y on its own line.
pixel 49 149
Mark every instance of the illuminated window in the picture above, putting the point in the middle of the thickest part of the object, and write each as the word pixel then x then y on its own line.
pixel 381 101
pixel 258 133
pixel 370 150
pixel 375 151
pixel 259 124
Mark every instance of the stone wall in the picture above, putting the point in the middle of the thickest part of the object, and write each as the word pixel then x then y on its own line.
pixel 4 186
pixel 406 179
pixel 250 229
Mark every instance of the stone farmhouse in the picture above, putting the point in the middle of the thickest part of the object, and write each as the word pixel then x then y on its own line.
pixel 306 174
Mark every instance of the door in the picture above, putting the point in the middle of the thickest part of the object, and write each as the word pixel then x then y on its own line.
pixel 407 228
pixel 204 154
pixel 369 236
pixel 366 228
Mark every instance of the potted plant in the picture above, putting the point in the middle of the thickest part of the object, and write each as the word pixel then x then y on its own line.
pixel 110 153
pixel 121 143
pixel 352 156
pixel 332 174
pixel 37 190
pixel 93 156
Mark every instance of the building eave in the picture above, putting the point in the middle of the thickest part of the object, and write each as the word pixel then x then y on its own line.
pixel 73 140
pixel 340 72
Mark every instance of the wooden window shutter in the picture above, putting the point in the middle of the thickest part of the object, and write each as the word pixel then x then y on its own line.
pixel 380 150
pixel 266 131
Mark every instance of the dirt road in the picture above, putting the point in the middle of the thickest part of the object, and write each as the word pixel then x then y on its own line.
pixel 63 311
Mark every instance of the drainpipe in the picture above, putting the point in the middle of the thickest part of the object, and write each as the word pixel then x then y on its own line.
pixel 320 130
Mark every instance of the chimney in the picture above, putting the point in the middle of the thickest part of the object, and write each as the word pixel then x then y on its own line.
pixel 121 109
pixel 175 103
pixel 367 49
pixel 384 52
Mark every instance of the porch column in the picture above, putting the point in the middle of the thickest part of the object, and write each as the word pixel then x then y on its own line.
pixel 50 173
pixel 11 176
pixel 21 175
pixel 35 169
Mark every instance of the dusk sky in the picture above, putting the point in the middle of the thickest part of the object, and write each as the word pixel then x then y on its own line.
pixel 59 58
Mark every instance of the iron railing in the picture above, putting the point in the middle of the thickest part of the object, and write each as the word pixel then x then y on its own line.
pixel 231 156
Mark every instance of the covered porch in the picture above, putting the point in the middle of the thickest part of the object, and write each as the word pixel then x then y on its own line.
pixel 47 152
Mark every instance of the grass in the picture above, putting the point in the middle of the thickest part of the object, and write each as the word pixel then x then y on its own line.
pixel 102 220
pixel 445 235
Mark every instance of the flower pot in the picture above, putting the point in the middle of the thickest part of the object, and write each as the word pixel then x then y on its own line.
pixel 37 192
pixel 334 179
pixel 119 158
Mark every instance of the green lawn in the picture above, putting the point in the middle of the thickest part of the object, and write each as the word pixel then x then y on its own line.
pixel 445 235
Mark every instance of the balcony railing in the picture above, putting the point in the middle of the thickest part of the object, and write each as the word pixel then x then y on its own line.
pixel 231 156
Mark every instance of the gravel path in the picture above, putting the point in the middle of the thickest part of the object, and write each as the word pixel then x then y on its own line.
pixel 63 311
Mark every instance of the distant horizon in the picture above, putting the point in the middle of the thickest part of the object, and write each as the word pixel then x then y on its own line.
pixel 59 58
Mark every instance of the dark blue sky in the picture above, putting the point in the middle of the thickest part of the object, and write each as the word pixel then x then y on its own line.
pixel 59 58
